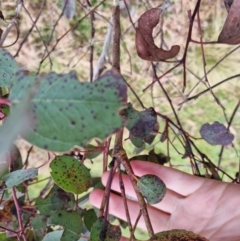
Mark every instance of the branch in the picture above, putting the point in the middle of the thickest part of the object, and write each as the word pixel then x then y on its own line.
pixel 14 22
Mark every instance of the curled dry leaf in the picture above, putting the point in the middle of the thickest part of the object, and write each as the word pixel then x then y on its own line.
pixel 230 33
pixel 146 48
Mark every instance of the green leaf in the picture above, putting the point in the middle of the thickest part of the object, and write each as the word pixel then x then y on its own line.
pixel 142 125
pixel 136 141
pixel 71 221
pixel 90 218
pixel 69 113
pixel 56 200
pixel 152 188
pixel 5 110
pixel 111 232
pixel 69 8
pixel 53 236
pixel 147 158
pixel 177 234
pixel 70 174
pixel 92 151
pixel 96 230
pixel 8 67
pixel 39 221
pixel 15 178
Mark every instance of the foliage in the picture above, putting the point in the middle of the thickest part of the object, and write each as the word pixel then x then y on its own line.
pixel 74 121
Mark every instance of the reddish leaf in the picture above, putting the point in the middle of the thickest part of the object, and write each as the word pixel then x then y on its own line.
pixel 230 33
pixel 146 49
pixel 216 134
pixel 142 125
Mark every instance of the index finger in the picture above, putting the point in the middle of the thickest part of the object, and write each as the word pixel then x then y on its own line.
pixel 178 181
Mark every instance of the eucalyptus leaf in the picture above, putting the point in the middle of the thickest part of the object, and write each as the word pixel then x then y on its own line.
pixel 142 125
pixel 152 188
pixel 71 221
pixel 17 177
pixel 111 232
pixel 70 113
pixel 90 218
pixel 53 236
pixel 56 200
pixel 70 174
pixel 216 134
pixel 8 67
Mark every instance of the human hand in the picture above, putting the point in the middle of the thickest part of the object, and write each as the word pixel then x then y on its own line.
pixel 204 206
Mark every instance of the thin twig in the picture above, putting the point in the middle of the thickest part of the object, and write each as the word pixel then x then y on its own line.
pixel 18 210
pixel 31 29
pixel 209 71
pixel 68 31
pixel 229 124
pixel 122 188
pixel 14 22
pixel 135 226
pixel 206 90
pixel 92 40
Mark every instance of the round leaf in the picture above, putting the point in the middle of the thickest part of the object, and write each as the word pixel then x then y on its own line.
pixel 70 174
pixel 152 188
pixel 216 134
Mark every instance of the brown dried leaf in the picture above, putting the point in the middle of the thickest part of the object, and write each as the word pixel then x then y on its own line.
pixel 146 48
pixel 177 234
pixel 230 33
pixel 5 212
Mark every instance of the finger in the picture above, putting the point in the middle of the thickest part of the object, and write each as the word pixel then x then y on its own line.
pixel 124 239
pixel 168 204
pixel 157 217
pixel 179 182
